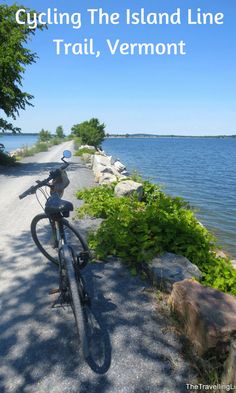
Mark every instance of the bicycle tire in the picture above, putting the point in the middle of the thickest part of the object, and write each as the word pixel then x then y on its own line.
pixel 76 305
pixel 44 246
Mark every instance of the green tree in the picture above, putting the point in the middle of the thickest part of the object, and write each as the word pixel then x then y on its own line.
pixel 14 57
pixel 60 132
pixel 91 132
pixel 44 135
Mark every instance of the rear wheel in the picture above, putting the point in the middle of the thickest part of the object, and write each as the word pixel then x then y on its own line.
pixel 44 235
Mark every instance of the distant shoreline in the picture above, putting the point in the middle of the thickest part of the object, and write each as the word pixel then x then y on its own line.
pixel 19 134
pixel 145 136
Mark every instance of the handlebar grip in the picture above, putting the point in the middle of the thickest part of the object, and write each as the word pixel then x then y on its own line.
pixel 30 190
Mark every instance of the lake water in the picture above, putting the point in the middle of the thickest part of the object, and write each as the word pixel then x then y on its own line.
pixel 12 142
pixel 201 170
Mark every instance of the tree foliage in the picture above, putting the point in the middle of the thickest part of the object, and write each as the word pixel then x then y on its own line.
pixel 60 132
pixel 14 57
pixel 44 135
pixel 91 132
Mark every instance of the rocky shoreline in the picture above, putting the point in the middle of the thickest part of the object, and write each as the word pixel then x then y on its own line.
pixel 208 316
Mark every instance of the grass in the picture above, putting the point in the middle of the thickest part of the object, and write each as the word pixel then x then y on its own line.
pixel 39 147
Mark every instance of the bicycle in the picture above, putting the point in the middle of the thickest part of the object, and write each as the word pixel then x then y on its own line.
pixel 49 232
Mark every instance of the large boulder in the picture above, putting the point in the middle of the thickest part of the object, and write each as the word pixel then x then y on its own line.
pixel 101 160
pixel 128 187
pixel 208 316
pixel 166 269
pixel 101 164
pixel 87 159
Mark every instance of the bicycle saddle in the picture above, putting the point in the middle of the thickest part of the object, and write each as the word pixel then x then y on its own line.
pixel 55 205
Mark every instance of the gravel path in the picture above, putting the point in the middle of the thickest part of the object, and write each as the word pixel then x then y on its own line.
pixel 38 344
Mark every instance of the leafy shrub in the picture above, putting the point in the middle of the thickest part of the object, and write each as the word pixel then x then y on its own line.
pixel 55 141
pixel 40 147
pixel 5 159
pixel 84 150
pixel 137 231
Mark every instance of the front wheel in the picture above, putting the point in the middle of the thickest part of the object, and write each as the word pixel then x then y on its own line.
pixel 43 232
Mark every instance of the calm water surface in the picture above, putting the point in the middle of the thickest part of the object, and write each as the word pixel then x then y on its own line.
pixel 12 142
pixel 203 171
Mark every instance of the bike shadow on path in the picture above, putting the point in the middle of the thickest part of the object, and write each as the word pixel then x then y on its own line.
pixel 39 345
pixel 34 168
pixel 37 340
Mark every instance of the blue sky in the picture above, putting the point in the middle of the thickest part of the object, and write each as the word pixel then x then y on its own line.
pixel 188 95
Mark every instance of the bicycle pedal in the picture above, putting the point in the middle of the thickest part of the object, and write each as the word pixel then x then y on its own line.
pixel 54 290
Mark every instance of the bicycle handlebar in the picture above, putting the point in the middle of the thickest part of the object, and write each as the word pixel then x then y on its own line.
pixel 53 175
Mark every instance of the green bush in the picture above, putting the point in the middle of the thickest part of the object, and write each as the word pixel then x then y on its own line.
pixel 40 147
pixel 91 132
pixel 5 159
pixel 55 141
pixel 84 150
pixel 136 231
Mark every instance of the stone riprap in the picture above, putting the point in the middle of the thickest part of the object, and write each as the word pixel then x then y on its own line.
pixel 166 269
pixel 106 170
pixel 208 316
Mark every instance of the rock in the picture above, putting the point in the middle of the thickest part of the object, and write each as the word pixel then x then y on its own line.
pixel 221 253
pixel 208 316
pixel 229 373
pixel 87 147
pixel 107 178
pixel 100 160
pixel 128 187
pixel 87 158
pixel 234 263
pixel 166 269
pixel 119 166
pixel 101 170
